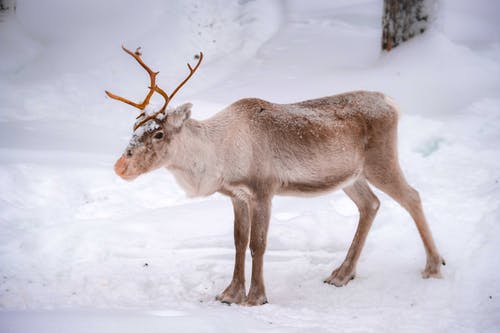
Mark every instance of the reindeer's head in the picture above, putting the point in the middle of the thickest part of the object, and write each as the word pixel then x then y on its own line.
pixel 154 132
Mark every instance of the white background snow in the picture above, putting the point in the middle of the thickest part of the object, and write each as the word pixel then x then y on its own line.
pixel 83 251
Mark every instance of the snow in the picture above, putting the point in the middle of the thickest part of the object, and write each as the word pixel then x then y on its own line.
pixel 83 251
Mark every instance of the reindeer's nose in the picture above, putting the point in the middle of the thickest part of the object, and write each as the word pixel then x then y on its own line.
pixel 121 167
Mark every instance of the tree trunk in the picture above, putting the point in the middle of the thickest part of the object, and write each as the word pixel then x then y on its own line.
pixel 7 5
pixel 402 20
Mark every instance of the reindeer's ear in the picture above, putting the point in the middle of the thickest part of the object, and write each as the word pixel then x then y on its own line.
pixel 179 115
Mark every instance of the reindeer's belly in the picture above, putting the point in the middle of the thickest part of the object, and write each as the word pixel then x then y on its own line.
pixel 320 174
pixel 317 186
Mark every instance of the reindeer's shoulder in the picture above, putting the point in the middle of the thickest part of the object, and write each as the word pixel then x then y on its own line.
pixel 250 106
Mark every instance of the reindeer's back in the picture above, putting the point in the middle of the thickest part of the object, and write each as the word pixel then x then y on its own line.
pixel 317 121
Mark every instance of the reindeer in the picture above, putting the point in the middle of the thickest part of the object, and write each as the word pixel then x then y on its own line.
pixel 254 149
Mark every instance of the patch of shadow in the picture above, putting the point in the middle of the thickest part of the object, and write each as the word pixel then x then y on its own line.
pixel 430 147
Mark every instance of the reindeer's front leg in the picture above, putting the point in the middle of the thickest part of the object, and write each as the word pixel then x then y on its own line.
pixel 235 292
pixel 260 215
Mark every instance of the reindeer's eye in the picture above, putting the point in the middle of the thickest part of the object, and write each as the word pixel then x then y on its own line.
pixel 158 135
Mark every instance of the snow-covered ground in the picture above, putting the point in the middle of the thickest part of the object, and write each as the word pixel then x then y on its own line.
pixel 83 251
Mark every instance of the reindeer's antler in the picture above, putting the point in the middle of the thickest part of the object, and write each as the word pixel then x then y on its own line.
pixel 152 88
pixel 152 75
pixel 166 96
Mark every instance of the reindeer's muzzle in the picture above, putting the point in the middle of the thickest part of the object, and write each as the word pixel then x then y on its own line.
pixel 121 168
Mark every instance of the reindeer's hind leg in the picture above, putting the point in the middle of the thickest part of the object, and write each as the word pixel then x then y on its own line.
pixel 383 171
pixel 368 205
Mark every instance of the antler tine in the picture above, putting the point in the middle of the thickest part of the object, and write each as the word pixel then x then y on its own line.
pixel 152 75
pixel 191 72
pixel 166 96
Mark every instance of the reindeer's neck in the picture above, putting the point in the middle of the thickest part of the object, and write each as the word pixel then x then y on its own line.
pixel 194 159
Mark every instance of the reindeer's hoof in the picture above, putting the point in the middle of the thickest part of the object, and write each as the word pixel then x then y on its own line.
pixel 340 277
pixel 228 299
pixel 232 295
pixel 254 301
pixel 433 268
pixel 432 272
pixel 256 295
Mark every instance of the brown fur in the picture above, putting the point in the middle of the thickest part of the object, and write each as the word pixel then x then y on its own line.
pixel 255 149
